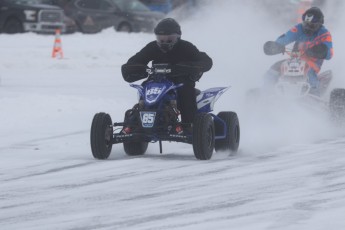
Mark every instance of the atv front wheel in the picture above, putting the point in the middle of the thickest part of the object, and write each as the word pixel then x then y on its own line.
pixel 203 136
pixel 101 136
pixel 135 148
pixel 232 131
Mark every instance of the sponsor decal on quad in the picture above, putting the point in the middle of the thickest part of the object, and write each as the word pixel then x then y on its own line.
pixel 124 136
pixel 178 136
pixel 155 90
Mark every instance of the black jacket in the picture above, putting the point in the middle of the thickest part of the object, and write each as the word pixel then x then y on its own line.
pixel 184 56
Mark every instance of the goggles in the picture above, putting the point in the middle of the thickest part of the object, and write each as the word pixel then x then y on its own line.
pixel 167 39
pixel 313 26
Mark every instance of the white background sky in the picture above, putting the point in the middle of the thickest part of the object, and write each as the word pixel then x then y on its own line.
pixel 289 172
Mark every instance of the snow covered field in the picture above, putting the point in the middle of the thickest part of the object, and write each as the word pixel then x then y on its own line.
pixel 289 172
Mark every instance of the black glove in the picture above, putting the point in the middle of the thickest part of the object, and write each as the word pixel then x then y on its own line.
pixel 189 70
pixel 133 72
pixel 273 48
pixel 319 51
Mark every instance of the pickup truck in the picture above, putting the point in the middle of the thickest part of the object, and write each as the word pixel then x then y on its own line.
pixel 18 16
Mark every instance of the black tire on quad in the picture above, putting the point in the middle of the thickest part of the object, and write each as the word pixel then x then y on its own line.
pixel 203 136
pixel 135 148
pixel 101 136
pixel 337 105
pixel 232 140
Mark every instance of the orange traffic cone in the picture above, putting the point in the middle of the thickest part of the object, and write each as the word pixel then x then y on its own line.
pixel 57 49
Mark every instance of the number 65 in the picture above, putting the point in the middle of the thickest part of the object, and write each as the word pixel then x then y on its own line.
pixel 148 118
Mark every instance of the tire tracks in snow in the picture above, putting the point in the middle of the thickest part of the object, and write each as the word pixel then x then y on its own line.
pixel 30 143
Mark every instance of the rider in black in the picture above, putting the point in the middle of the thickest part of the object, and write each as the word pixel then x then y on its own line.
pixel 184 57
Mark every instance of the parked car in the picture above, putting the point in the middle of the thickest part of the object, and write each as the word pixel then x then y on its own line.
pixel 164 6
pixel 18 16
pixel 92 16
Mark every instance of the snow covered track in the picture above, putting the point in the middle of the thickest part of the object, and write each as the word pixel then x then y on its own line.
pixel 287 189
pixel 287 175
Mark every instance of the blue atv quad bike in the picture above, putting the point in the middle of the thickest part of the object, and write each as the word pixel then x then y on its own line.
pixel 156 118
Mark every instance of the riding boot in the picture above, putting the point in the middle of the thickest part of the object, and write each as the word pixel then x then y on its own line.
pixel 187 103
pixel 314 84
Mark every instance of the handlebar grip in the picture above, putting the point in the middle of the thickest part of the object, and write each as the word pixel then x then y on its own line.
pixel 133 72
pixel 273 48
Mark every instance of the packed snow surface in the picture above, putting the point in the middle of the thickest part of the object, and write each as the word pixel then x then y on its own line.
pixel 289 172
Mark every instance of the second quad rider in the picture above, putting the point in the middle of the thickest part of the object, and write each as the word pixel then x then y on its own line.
pixel 312 40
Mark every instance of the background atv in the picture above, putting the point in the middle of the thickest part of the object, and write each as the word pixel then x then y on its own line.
pixel 156 118
pixel 293 83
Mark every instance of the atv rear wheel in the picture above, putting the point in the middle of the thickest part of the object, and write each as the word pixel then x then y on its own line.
pixel 101 136
pixel 135 148
pixel 232 126
pixel 203 136
pixel 337 105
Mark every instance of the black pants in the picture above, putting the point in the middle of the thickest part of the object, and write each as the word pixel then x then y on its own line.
pixel 186 102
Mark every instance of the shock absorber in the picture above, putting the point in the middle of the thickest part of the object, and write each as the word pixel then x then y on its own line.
pixel 173 104
pixel 178 128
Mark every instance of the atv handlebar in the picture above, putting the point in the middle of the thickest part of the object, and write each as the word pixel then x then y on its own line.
pixel 135 72
pixel 294 54
pixel 273 48
pixel 175 71
pixel 159 69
